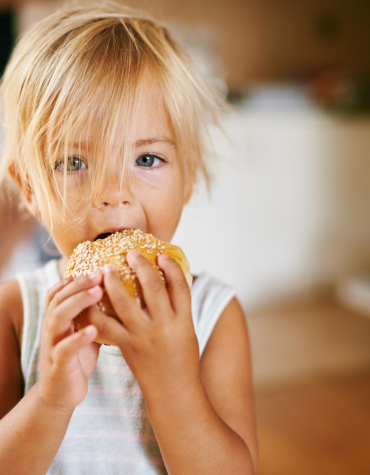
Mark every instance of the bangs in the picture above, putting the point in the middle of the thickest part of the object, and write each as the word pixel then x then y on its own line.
pixel 87 101
pixel 74 81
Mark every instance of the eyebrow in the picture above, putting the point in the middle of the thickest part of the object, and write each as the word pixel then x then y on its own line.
pixel 138 143
pixel 150 141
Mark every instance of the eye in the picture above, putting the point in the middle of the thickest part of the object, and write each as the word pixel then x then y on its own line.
pixel 149 161
pixel 74 164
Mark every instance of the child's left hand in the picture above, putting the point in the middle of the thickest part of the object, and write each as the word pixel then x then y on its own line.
pixel 158 343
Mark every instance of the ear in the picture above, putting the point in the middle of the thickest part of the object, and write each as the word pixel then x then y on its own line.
pixel 31 204
pixel 27 194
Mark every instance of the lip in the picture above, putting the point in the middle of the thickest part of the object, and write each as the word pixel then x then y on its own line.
pixel 110 231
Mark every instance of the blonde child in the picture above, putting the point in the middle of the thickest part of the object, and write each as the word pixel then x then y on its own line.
pixel 104 120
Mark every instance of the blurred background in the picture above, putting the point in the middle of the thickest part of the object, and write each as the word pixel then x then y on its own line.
pixel 288 215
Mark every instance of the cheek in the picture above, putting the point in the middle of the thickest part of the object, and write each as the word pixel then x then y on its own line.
pixel 67 225
pixel 152 178
pixel 165 183
pixel 73 200
pixel 162 201
pixel 76 186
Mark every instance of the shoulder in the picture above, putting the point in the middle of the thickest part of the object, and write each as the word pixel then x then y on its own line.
pixel 230 334
pixel 11 307
pixel 210 298
pixel 206 285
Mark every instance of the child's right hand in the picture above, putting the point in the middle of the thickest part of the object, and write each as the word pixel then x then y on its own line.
pixel 67 356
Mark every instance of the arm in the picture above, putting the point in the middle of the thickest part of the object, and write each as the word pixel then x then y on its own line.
pixel 211 429
pixel 30 415
pixel 226 372
pixel 202 415
pixel 11 380
pixel 34 427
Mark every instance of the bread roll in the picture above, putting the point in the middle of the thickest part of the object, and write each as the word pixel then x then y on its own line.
pixel 91 256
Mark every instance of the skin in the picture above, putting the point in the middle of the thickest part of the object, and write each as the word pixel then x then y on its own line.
pixel 210 401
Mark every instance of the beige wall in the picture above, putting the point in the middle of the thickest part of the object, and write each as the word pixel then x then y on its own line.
pixel 264 39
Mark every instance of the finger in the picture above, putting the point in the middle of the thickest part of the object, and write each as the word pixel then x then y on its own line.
pixel 56 288
pixel 178 289
pixel 66 349
pixel 60 320
pixel 76 285
pixel 108 326
pixel 124 305
pixel 155 293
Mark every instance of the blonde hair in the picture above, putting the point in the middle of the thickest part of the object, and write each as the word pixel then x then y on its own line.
pixel 81 67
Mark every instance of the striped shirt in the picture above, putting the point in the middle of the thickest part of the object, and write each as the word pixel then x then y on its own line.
pixel 110 432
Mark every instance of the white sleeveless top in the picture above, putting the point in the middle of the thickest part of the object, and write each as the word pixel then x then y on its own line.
pixel 110 432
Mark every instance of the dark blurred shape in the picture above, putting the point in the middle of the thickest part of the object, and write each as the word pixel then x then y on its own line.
pixel 7 37
pixel 342 91
pixel 328 26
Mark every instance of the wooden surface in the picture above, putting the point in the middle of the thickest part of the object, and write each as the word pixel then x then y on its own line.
pixel 307 340
pixel 316 428
pixel 312 373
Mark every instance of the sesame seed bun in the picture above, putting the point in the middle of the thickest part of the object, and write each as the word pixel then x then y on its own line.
pixel 91 256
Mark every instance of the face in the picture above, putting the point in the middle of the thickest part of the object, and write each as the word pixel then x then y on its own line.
pixel 152 202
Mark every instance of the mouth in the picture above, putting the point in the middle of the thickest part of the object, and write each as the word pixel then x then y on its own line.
pixel 108 233
pixel 102 236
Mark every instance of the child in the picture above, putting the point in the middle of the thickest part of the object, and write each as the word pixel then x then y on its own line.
pixel 104 120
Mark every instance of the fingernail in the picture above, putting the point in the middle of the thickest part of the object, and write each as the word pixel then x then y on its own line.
pixel 163 256
pixel 95 290
pixel 133 254
pixel 109 268
pixel 94 275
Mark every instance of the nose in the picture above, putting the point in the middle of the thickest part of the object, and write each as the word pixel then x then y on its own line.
pixel 114 194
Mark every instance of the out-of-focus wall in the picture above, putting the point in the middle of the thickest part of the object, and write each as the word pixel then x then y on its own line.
pixel 289 211
pixel 265 39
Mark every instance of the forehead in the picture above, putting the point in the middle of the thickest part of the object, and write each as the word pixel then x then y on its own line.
pixel 151 118
pixel 147 123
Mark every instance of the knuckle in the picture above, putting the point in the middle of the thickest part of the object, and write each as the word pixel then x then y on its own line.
pixel 57 314
pixel 171 262
pixel 81 280
pixel 121 307
pixel 92 297
pixel 52 330
pixel 172 265
pixel 167 331
pixel 103 328
pixel 141 263
pixel 153 285
pixel 181 283
pixel 58 354
pixel 58 297
pixel 82 298
pixel 49 294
